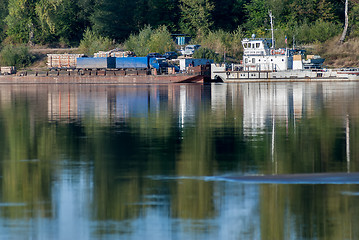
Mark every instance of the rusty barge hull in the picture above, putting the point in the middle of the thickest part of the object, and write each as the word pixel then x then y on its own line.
pixel 101 79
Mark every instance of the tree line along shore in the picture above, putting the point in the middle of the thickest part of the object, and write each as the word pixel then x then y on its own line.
pixel 143 26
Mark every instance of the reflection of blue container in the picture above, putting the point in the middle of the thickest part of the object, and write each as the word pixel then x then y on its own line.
pixel 96 63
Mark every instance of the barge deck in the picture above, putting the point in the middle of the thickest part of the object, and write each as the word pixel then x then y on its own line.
pixel 197 74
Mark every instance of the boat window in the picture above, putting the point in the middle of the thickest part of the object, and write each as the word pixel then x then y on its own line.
pixel 257 45
pixel 246 60
pixel 253 60
pixel 245 45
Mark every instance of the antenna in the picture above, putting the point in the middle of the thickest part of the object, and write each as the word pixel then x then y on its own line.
pixel 271 27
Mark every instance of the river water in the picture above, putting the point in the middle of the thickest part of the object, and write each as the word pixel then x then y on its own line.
pixel 168 161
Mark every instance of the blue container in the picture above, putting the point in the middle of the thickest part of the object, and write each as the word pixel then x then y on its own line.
pixel 96 63
pixel 132 63
pixel 182 40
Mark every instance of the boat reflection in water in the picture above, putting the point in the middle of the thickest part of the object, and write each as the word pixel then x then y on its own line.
pixel 173 161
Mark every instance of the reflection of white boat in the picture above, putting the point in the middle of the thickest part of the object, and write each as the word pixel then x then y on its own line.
pixel 262 62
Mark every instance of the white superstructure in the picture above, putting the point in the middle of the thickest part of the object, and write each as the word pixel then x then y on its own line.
pixel 259 56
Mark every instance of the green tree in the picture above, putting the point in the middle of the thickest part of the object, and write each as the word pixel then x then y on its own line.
pixel 150 40
pixel 311 10
pixel 92 42
pixel 45 12
pixel 228 15
pixel 114 19
pixel 139 42
pixel 70 21
pixel 86 10
pixel 325 10
pixel 257 13
pixel 161 40
pixel 354 20
pixel 60 20
pixel 157 13
pixel 21 20
pixel 3 14
pixel 196 16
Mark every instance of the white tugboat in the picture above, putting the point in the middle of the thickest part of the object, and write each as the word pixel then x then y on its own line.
pixel 262 62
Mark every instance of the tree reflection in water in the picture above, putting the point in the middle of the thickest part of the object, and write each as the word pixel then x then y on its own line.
pixel 144 161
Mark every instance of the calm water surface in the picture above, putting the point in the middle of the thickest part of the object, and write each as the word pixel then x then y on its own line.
pixel 157 162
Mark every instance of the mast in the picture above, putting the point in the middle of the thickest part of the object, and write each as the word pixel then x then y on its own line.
pixel 347 142
pixel 271 27
pixel 293 42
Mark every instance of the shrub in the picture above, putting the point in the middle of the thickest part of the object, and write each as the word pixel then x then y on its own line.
pixel 318 31
pixel 92 43
pixel 139 43
pixel 208 54
pixel 161 40
pixel 221 41
pixel 18 56
pixel 150 40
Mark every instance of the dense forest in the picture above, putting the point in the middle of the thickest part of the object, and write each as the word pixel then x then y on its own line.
pixel 216 24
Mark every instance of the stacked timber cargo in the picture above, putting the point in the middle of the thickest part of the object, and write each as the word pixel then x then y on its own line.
pixel 8 70
pixel 115 53
pixel 65 61
pixel 123 54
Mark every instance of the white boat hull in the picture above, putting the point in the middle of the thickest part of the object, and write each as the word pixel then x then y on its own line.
pixel 280 76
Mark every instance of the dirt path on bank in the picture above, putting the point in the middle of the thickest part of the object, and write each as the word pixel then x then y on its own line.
pixel 53 50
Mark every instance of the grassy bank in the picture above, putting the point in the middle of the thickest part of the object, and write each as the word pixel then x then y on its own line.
pixel 339 55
